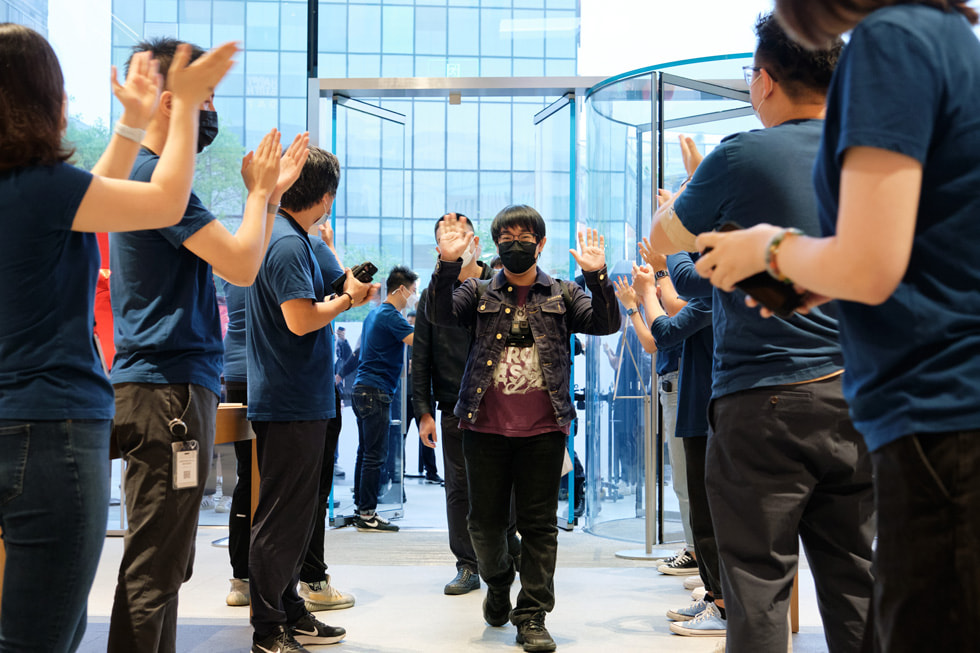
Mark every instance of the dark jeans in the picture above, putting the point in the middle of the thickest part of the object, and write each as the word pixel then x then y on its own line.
pixel 314 567
pixel 529 467
pixel 290 458
pixel 372 407
pixel 54 499
pixel 705 544
pixel 457 493
pixel 159 548
pixel 784 463
pixel 927 488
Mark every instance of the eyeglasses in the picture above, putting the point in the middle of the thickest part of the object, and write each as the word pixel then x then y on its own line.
pixel 524 238
pixel 750 71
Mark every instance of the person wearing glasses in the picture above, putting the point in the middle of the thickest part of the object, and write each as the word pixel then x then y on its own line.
pixel 514 406
pixel 897 186
pixel 783 460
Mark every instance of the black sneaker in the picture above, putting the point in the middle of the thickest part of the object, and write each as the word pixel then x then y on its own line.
pixel 434 480
pixel 534 636
pixel 310 630
pixel 682 565
pixel 281 641
pixel 496 605
pixel 374 524
pixel 465 581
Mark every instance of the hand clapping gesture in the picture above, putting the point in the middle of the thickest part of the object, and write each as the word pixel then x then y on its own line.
pixel 625 293
pixel 141 92
pixel 591 254
pixel 195 83
pixel 260 169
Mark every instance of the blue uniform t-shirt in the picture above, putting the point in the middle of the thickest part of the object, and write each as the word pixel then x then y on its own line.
pixel 329 270
pixel 909 82
pixel 49 368
pixel 382 348
pixel 760 176
pixel 290 377
pixel 164 304
pixel 235 366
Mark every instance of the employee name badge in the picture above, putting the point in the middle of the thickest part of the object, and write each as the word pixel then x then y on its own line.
pixel 185 464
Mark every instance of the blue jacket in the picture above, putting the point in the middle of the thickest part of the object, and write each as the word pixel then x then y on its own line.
pixel 489 315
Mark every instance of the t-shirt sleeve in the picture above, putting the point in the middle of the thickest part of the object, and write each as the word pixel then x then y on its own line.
pixel 699 207
pixel 61 207
pixel 398 326
pixel 195 218
pixel 877 112
pixel 289 267
pixel 329 267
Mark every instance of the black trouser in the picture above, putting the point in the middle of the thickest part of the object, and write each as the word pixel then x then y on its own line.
pixel 784 463
pixel 290 458
pixel 927 488
pixel 705 545
pixel 530 468
pixel 314 565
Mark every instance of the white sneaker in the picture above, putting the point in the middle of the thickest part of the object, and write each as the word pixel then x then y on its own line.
pixel 324 596
pixel 693 582
pixel 239 594
pixel 698 593
pixel 224 504
pixel 707 623
pixel 207 502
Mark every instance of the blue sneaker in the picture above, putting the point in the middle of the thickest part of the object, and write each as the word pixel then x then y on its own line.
pixel 688 612
pixel 708 623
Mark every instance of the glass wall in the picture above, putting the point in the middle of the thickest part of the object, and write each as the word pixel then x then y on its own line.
pixel 632 127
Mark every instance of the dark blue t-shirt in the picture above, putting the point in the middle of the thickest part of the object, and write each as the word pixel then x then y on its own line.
pixel 164 304
pixel 290 377
pixel 235 366
pixel 382 348
pixel 759 176
pixel 329 270
pixel 909 82
pixel 49 368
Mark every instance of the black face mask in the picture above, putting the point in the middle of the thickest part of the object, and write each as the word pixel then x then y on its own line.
pixel 207 129
pixel 516 256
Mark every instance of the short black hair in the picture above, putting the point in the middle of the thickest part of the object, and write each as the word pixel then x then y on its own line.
pixel 320 176
pixel 410 314
pixel 163 49
pixel 399 276
pixel 32 103
pixel 518 215
pixel 803 74
pixel 468 223
pixel 340 328
pixel 496 263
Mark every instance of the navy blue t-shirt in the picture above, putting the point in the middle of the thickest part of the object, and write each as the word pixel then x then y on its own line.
pixel 49 368
pixel 236 369
pixel 909 82
pixel 382 348
pixel 759 176
pixel 329 270
pixel 290 377
pixel 164 304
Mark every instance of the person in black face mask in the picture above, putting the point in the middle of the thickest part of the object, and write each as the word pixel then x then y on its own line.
pixel 207 127
pixel 514 405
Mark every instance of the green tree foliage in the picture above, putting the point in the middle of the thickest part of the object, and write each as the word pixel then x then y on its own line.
pixel 89 141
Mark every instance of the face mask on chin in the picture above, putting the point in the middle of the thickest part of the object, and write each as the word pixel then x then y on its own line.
pixel 469 254
pixel 207 129
pixel 517 257
pixel 323 218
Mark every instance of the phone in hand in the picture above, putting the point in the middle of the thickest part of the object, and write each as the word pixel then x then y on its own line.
pixel 778 296
pixel 363 272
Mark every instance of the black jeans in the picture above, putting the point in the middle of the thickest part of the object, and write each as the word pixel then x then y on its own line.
pixel 496 465
pixel 290 457
pixel 705 544
pixel 372 408
pixel 927 488
pixel 784 463
pixel 314 567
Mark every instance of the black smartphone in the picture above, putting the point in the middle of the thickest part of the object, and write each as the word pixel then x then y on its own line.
pixel 363 273
pixel 778 296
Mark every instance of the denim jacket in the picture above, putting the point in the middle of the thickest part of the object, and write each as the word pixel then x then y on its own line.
pixel 489 316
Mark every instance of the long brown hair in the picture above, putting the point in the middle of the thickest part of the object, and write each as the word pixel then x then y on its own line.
pixel 32 101
pixel 815 22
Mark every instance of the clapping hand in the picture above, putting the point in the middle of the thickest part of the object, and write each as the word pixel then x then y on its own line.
pixel 655 259
pixel 625 293
pixel 195 83
pixel 141 93
pixel 591 254
pixel 291 165
pixel 260 168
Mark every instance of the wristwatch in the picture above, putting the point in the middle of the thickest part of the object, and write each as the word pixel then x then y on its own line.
pixel 630 311
pixel 660 274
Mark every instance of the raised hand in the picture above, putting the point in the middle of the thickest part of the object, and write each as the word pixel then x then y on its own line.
pixel 260 168
pixel 196 83
pixel 689 152
pixel 141 93
pixel 643 279
pixel 655 259
pixel 292 164
pixel 591 254
pixel 663 197
pixel 625 293
pixel 326 234
pixel 454 237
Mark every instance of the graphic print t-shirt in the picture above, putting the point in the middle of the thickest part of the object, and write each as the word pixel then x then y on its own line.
pixel 517 403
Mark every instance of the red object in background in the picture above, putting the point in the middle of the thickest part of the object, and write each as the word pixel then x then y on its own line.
pixel 103 310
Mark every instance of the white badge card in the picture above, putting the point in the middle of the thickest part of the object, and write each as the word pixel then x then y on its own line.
pixel 185 464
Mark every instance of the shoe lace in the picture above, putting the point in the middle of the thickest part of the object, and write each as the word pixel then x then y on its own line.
pixel 535 625
pixel 681 560
pixel 709 611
